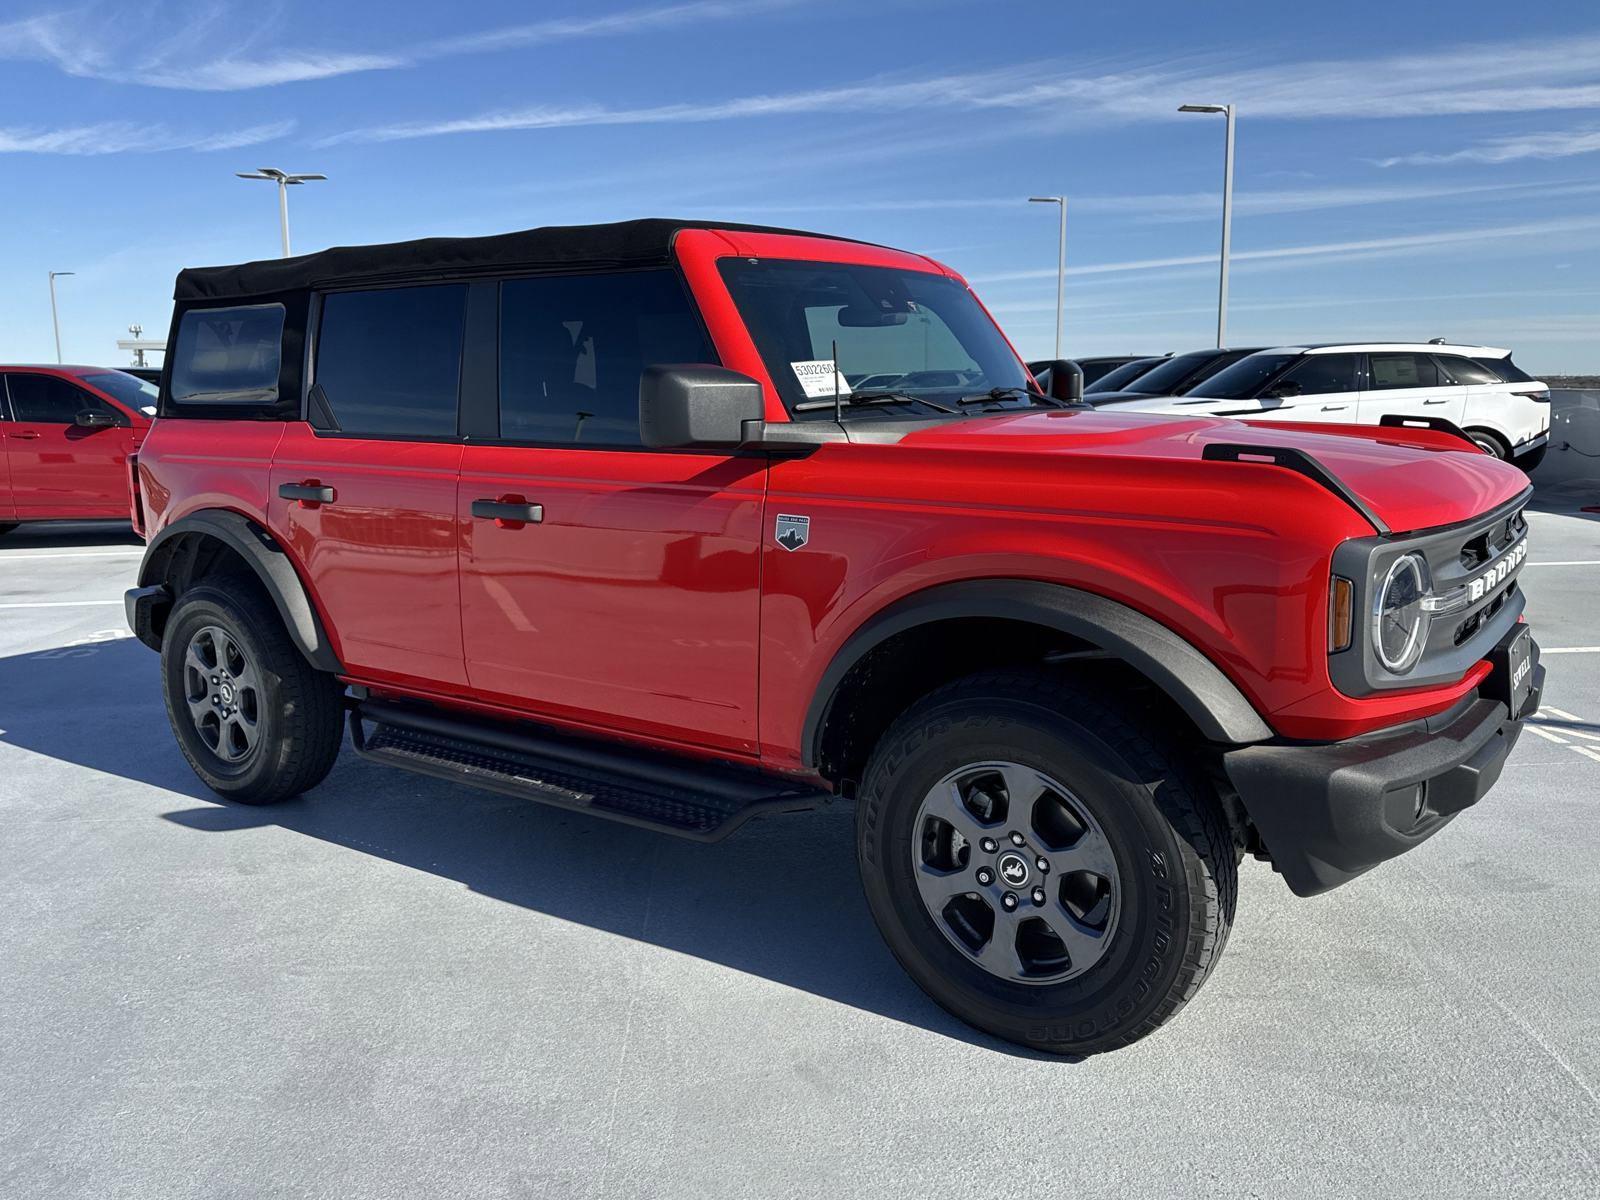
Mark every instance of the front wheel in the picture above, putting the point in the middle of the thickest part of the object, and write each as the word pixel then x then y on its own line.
pixel 255 720
pixel 1041 867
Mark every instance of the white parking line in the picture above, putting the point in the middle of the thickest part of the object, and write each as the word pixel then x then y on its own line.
pixel 1547 735
pixel 1570 650
pixel 65 604
pixel 1559 712
pixel 1571 562
pixel 130 553
pixel 1587 753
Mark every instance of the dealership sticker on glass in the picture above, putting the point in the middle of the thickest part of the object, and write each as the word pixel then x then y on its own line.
pixel 818 378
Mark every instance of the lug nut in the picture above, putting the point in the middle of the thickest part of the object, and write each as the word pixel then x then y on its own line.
pixel 1038 895
pixel 215 680
pixel 216 699
pixel 1008 902
pixel 1043 864
pixel 985 876
pixel 988 845
pixel 1017 839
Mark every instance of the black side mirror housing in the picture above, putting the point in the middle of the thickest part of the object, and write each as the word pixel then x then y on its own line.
pixel 91 418
pixel 693 404
pixel 1066 381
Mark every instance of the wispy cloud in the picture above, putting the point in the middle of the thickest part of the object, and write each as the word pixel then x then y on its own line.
pixel 125 137
pixel 202 48
pixel 1503 77
pixel 1511 148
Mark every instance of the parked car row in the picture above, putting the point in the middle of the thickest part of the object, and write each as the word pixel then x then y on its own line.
pixel 1477 389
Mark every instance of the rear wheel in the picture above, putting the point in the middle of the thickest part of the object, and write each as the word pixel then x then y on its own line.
pixel 257 723
pixel 1490 443
pixel 1041 867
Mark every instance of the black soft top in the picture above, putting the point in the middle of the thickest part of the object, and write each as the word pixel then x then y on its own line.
pixel 645 242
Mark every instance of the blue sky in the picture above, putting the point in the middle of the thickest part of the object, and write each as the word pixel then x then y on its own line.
pixel 1400 174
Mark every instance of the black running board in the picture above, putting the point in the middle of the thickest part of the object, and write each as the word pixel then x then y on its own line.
pixel 703 802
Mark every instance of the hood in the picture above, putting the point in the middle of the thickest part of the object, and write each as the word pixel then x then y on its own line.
pixel 1410 478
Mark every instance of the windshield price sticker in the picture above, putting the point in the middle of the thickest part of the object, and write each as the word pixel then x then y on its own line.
pixel 817 378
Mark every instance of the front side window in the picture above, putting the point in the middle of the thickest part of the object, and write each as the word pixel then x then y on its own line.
pixel 228 355
pixel 1319 374
pixel 389 360
pixel 50 400
pixel 926 332
pixel 1243 379
pixel 1404 371
pixel 572 348
pixel 136 393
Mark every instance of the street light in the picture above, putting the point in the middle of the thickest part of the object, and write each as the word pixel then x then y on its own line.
pixel 55 320
pixel 1227 210
pixel 284 182
pixel 1061 260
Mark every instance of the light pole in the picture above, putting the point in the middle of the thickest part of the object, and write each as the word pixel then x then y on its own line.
pixel 284 181
pixel 55 320
pixel 1227 209
pixel 1061 260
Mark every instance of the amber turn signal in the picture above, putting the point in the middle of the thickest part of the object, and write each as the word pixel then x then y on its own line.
pixel 1341 614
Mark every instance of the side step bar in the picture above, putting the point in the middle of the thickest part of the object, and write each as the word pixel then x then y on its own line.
pixel 703 802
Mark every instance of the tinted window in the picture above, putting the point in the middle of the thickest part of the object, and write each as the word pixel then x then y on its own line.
pixel 49 400
pixel 1464 370
pixel 572 349
pixel 134 392
pixel 1123 376
pixel 1404 371
pixel 1320 373
pixel 228 355
pixel 1244 378
pixel 1505 369
pixel 389 361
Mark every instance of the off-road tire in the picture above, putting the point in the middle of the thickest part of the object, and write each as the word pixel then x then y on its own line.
pixel 300 725
pixel 1176 861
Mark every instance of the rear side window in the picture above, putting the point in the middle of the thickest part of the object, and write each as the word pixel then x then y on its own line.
pixel 228 355
pixel 1404 371
pixel 1318 374
pixel 50 400
pixel 1464 370
pixel 572 349
pixel 389 360
pixel 1505 369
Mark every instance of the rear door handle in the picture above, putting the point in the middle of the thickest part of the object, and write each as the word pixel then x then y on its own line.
pixel 511 511
pixel 1334 407
pixel 26 435
pixel 306 493
pixel 1436 402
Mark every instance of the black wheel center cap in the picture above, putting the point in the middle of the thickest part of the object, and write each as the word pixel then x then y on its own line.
pixel 1013 870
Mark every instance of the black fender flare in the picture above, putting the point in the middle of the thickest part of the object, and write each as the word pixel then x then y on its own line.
pixel 272 566
pixel 1209 698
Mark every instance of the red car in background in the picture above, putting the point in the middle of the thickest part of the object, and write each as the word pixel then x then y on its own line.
pixel 65 437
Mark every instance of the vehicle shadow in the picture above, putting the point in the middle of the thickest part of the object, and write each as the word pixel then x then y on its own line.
pixel 61 535
pixel 780 899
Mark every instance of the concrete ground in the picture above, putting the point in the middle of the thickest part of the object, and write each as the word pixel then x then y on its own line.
pixel 393 988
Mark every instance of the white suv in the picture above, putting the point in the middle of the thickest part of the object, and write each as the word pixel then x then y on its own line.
pixel 1477 388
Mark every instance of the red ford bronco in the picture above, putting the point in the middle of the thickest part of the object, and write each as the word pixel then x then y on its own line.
pixel 66 434
pixel 598 516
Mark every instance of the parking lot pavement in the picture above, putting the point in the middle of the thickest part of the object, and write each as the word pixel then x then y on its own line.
pixel 393 988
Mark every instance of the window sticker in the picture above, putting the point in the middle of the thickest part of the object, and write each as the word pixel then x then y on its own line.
pixel 817 378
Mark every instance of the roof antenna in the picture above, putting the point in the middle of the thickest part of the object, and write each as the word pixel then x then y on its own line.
pixel 838 413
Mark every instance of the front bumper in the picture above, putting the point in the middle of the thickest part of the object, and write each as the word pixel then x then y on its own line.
pixel 1326 813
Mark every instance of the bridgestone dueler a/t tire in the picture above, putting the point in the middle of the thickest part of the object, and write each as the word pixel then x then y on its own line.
pixel 1175 860
pixel 301 724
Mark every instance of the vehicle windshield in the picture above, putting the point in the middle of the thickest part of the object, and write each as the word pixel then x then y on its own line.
pixel 126 389
pixel 926 333
pixel 1244 378
pixel 1118 378
pixel 1172 374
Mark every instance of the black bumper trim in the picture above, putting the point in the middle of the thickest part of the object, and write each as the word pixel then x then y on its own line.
pixel 1327 813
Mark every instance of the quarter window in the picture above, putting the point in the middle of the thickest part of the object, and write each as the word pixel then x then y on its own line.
pixel 389 360
pixel 1319 374
pixel 1404 371
pixel 228 355
pixel 572 349
pixel 1464 370
pixel 49 400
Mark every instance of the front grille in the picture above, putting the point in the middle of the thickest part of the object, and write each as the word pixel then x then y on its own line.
pixel 1475 622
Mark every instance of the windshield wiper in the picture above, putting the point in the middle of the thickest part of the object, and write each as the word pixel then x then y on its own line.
pixel 1014 392
pixel 855 398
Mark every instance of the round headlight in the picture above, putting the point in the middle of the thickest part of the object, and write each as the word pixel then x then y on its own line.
pixel 1399 625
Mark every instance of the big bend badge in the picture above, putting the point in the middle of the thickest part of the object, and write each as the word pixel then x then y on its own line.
pixel 792 532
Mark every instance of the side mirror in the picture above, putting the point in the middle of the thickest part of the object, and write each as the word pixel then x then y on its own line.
pixel 1066 381
pixel 682 405
pixel 91 418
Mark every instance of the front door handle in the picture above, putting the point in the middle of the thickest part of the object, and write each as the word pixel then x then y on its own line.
pixel 26 435
pixel 509 511
pixel 1436 402
pixel 1334 407
pixel 307 493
